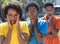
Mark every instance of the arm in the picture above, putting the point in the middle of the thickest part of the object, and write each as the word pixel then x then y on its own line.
pixel 54 30
pixel 1 39
pixel 30 31
pixel 43 30
pixel 21 36
pixel 39 37
pixel 6 40
pixel 22 41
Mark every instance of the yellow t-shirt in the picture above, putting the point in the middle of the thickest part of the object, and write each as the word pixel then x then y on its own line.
pixel 14 36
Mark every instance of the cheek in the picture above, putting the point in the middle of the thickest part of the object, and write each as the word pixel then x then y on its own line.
pixel 48 12
pixel 29 14
pixel 35 12
pixel 15 18
pixel 53 11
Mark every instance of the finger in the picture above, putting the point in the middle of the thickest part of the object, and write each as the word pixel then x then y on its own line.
pixel 17 17
pixel 8 20
pixel 50 17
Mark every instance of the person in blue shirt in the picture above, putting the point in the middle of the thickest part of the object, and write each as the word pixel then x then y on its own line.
pixel 37 28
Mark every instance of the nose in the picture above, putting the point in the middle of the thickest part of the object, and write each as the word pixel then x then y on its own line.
pixel 32 11
pixel 12 17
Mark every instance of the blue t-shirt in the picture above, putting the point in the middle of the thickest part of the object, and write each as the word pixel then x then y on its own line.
pixel 42 27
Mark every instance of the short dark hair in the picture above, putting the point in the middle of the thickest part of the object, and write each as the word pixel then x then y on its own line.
pixel 14 6
pixel 32 4
pixel 48 4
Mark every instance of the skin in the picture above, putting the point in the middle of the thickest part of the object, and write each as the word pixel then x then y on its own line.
pixel 49 11
pixel 13 18
pixel 33 12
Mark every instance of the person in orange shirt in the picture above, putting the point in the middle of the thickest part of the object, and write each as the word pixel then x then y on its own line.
pixel 53 24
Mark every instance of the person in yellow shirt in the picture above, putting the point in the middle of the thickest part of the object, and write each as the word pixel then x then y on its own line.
pixel 13 31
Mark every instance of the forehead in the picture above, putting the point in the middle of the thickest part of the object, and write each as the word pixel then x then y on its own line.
pixel 49 7
pixel 32 7
pixel 12 11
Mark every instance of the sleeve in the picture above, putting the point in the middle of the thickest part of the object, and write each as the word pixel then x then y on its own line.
pixel 25 28
pixel 1 30
pixel 58 24
pixel 43 28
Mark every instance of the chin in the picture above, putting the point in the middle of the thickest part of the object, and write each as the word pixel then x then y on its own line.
pixel 13 23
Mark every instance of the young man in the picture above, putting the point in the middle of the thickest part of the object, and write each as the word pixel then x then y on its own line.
pixel 13 31
pixel 53 25
pixel 37 28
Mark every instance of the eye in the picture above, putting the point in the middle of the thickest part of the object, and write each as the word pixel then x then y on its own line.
pixel 15 14
pixel 9 14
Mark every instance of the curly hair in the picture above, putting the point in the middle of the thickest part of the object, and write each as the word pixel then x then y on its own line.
pixel 15 6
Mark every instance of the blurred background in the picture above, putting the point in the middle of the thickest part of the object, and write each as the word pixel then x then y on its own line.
pixel 23 3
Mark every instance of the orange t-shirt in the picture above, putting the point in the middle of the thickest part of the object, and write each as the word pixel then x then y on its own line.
pixel 56 23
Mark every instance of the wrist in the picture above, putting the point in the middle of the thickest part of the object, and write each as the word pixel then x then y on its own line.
pixel 9 27
pixel 34 25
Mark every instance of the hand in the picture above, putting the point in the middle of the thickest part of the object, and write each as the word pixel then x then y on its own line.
pixel 33 19
pixel 49 17
pixel 32 22
pixel 25 36
pixel 17 21
pixel 9 24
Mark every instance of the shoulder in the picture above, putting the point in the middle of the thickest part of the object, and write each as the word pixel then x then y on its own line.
pixel 56 17
pixel 41 22
pixel 22 23
pixel 3 24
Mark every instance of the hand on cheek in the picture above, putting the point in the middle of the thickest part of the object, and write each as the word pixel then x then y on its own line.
pixel 17 21
pixel 9 24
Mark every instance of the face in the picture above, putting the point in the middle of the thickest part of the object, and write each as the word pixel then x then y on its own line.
pixel 12 14
pixel 49 10
pixel 32 12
